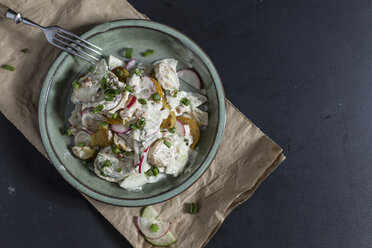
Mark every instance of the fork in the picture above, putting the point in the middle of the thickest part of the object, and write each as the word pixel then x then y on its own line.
pixel 58 37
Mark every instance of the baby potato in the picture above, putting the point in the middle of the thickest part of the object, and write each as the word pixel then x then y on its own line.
pixel 102 137
pixel 121 73
pixel 158 87
pixel 85 152
pixel 170 121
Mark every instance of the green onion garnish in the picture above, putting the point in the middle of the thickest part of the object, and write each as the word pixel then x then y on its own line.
pixel 103 83
pixel 98 109
pixel 80 144
pixel 103 124
pixel 156 97
pixel 106 164
pixel 119 170
pixel 132 126
pixel 75 84
pixel 128 52
pixel 148 52
pixel 154 227
pixel 115 150
pixel 138 72
pixel 167 143
pixel 24 50
pixel 175 93
pixel 91 69
pixel 119 72
pixel 8 67
pixel 142 101
pixel 114 116
pixel 69 132
pixel 185 101
pixel 128 153
pixel 155 171
pixel 193 208
pixel 103 174
pixel 141 123
pixel 129 88
pixel 149 173
pixel 172 130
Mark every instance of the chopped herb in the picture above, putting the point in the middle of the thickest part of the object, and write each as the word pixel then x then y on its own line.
pixel 98 109
pixel 119 72
pixel 80 144
pixel 110 85
pixel 128 153
pixel 185 101
pixel 154 227
pixel 128 52
pixel 92 69
pixel 24 50
pixel 132 126
pixel 172 130
pixel 75 84
pixel 141 123
pixel 149 173
pixel 69 132
pixel 175 93
pixel 110 94
pixel 114 116
pixel 155 171
pixel 119 170
pixel 148 52
pixel 8 67
pixel 115 150
pixel 103 83
pixel 142 101
pixel 193 208
pixel 103 174
pixel 138 72
pixel 156 97
pixel 103 124
pixel 167 143
pixel 129 88
pixel 106 164
pixel 117 92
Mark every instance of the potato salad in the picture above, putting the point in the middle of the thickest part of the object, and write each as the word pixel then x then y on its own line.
pixel 133 121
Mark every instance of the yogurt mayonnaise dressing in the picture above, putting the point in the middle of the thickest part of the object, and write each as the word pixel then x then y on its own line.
pixel 145 146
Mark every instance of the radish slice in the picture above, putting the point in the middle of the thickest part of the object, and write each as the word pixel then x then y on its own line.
pixel 131 101
pixel 83 137
pixel 147 88
pixel 108 105
pixel 130 64
pixel 90 120
pixel 142 157
pixel 191 77
pixel 180 129
pixel 144 225
pixel 120 128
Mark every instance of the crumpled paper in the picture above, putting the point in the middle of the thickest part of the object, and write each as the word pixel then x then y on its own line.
pixel 243 161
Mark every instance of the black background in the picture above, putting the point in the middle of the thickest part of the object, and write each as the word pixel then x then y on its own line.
pixel 301 71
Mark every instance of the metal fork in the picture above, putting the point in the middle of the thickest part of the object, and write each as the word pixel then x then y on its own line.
pixel 58 37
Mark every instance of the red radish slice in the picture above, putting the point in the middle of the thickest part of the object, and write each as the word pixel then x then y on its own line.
pixel 83 137
pixel 120 128
pixel 180 129
pixel 144 225
pixel 142 157
pixel 131 101
pixel 191 77
pixel 90 120
pixel 130 64
pixel 108 105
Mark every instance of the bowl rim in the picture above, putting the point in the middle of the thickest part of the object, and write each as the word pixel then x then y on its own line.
pixel 186 41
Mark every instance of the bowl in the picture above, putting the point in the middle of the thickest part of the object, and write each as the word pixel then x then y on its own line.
pixel 55 108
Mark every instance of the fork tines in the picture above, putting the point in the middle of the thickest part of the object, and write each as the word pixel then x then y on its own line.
pixel 74 45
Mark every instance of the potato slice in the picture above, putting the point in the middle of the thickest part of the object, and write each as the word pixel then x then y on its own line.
pixel 170 121
pixel 194 129
pixel 85 152
pixel 102 137
pixel 118 120
pixel 158 87
pixel 121 73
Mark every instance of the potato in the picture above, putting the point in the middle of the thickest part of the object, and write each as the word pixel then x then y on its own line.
pixel 158 87
pixel 122 76
pixel 194 129
pixel 85 152
pixel 170 121
pixel 118 120
pixel 102 137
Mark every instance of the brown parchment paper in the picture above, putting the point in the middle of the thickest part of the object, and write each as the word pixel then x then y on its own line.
pixel 242 163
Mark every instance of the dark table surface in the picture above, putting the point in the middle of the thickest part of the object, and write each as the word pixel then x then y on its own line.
pixel 301 71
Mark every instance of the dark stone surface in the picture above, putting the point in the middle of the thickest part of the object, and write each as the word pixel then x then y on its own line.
pixel 301 71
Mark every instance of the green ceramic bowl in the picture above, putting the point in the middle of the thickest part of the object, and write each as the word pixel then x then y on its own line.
pixel 55 108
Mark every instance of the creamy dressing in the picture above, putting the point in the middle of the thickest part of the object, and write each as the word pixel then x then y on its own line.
pixel 138 143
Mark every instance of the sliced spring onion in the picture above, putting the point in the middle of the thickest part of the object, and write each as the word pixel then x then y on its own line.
pixel 8 67
pixel 175 93
pixel 138 72
pixel 155 171
pixel 167 143
pixel 148 52
pixel 193 208
pixel 149 173
pixel 103 83
pixel 128 153
pixel 106 164
pixel 129 88
pixel 114 116
pixel 141 123
pixel 104 124
pixel 115 150
pixel 172 130
pixel 132 126
pixel 156 97
pixel 24 50
pixel 185 101
pixel 69 132
pixel 119 170
pixel 75 84
pixel 119 72
pixel 142 101
pixel 80 144
pixel 98 109
pixel 154 227
pixel 128 52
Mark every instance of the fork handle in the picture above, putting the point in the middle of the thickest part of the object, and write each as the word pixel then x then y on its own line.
pixel 8 13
